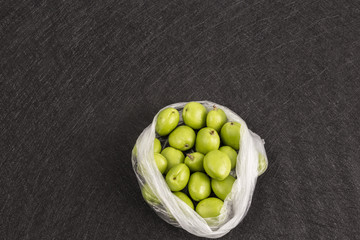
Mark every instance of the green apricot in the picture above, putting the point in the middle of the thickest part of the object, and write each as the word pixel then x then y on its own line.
pixel 232 154
pixel 173 157
pixel 185 199
pixel 216 118
pixel 157 145
pixel 178 177
pixel 161 162
pixel 230 134
pixel 140 169
pixel 167 121
pixel 262 165
pixel 134 151
pixel 148 195
pixel 195 161
pixel 209 207
pixel 222 188
pixel 217 165
pixel 182 138
pixel 194 115
pixel 199 186
pixel 207 140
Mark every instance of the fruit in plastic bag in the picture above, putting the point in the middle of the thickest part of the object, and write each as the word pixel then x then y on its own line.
pixel 262 165
pixel 199 186
pixel 185 199
pixel 178 177
pixel 194 115
pixel 217 165
pixel 134 151
pixel 216 118
pixel 209 207
pixel 228 214
pixel 148 195
pixel 207 140
pixel 161 162
pixel 230 134
pixel 167 121
pixel 182 138
pixel 222 188
pixel 232 154
pixel 195 162
pixel 173 157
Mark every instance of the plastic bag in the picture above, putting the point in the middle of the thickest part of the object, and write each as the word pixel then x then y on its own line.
pixel 173 210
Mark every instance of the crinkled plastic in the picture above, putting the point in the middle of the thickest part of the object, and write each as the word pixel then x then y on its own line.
pixel 173 210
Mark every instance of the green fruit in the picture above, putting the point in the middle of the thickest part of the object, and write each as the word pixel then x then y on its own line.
pixel 222 188
pixel 209 207
pixel 262 165
pixel 199 186
pixel 216 118
pixel 185 199
pixel 232 154
pixel 178 177
pixel 140 169
pixel 182 138
pixel 195 161
pixel 173 157
pixel 230 134
pixel 194 115
pixel 157 145
pixel 167 121
pixel 217 165
pixel 161 162
pixel 134 151
pixel 207 140
pixel 148 195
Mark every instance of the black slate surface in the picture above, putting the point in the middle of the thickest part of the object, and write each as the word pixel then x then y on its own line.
pixel 79 81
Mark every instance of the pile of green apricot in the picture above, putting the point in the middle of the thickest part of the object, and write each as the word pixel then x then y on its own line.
pixel 198 155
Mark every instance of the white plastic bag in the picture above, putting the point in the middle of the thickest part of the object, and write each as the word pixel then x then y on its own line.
pixel 175 211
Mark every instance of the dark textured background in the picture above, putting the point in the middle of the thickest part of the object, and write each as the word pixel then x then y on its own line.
pixel 80 80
